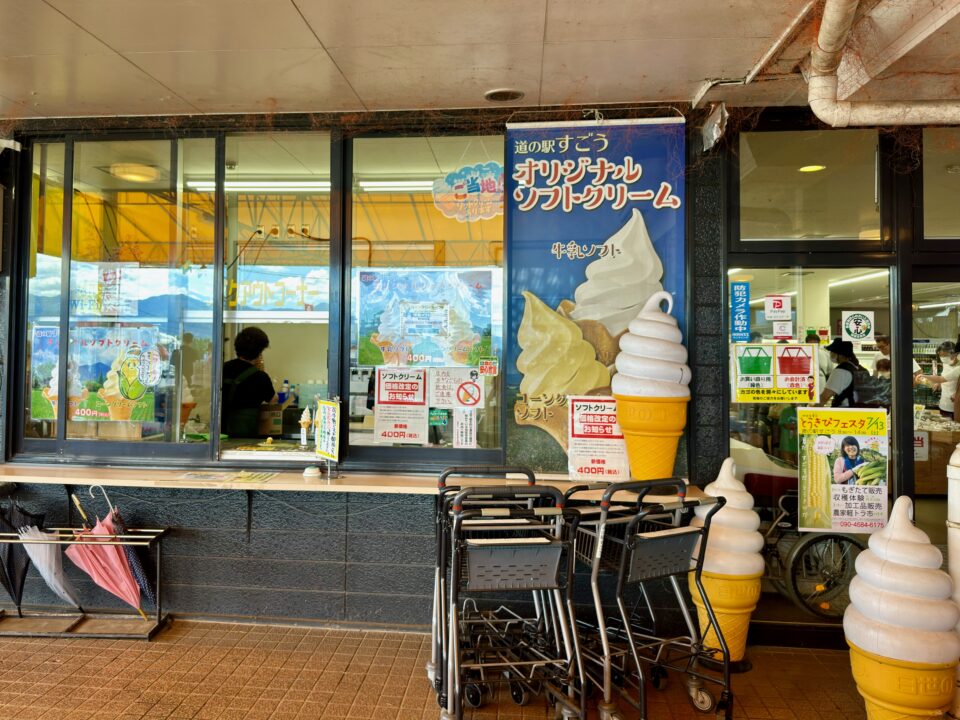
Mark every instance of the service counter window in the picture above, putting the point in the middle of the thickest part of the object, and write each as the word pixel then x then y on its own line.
pixel 118 347
pixel 426 292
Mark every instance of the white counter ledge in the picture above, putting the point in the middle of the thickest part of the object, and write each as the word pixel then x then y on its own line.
pixel 185 479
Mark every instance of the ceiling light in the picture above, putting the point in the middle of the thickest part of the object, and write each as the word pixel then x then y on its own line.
pixel 938 305
pixel 733 271
pixel 952 169
pixel 263 186
pixel 396 185
pixel 859 278
pixel 761 300
pixel 134 172
pixel 812 168
pixel 503 95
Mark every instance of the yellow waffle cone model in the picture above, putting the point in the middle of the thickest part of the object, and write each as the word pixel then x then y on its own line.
pixel 652 428
pixel 895 689
pixel 733 599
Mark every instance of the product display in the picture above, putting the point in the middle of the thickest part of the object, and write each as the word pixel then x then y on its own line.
pixel 901 623
pixel 652 389
pixel 733 563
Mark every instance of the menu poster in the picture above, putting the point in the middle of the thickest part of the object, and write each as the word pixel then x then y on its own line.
pixel 399 326
pixel 401 414
pixel 844 456
pixel 774 373
pixel 327 424
pixel 464 428
pixel 597 448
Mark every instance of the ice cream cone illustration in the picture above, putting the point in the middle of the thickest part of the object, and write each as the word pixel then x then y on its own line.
pixel 73 403
pixel 50 394
pixel 732 564
pixel 119 407
pixel 901 623
pixel 556 362
pixel 651 388
pixel 122 377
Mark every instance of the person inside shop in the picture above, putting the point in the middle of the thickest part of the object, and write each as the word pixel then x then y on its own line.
pixel 839 390
pixel 883 347
pixel 848 459
pixel 948 377
pixel 245 384
pixel 823 362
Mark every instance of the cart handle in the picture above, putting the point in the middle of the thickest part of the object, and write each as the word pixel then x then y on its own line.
pixel 643 487
pixel 647 510
pixel 485 471
pixel 543 491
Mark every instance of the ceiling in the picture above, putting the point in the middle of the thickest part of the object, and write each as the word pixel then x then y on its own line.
pixel 142 57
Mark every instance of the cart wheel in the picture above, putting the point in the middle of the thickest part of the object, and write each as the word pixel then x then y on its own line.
pixel 819 571
pixel 442 699
pixel 701 699
pixel 659 678
pixel 519 693
pixel 723 706
pixel 473 695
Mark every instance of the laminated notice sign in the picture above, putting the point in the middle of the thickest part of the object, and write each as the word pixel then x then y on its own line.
pixel 327 423
pixel 453 387
pixel 597 448
pixel 400 413
pixel 464 428
pixel 775 373
pixel 844 455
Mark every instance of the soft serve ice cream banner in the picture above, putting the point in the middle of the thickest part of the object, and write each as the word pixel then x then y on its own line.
pixel 595 228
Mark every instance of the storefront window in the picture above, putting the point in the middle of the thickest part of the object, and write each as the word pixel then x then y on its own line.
pixel 941 183
pixel 782 320
pixel 141 278
pixel 426 292
pixel 809 186
pixel 276 282
pixel 43 398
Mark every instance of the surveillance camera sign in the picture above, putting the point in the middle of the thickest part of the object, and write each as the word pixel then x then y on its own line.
pixel 857 325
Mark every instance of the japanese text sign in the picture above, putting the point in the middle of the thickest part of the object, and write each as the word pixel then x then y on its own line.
pixel 456 388
pixel 401 386
pixel 774 373
pixel 328 429
pixel 740 312
pixel 597 448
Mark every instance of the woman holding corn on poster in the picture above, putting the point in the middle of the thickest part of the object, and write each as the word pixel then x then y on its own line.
pixel 844 469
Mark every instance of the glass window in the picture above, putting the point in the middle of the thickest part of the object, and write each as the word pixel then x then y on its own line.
pixel 941 183
pixel 809 186
pixel 43 398
pixel 935 334
pixel 141 290
pixel 426 291
pixel 276 288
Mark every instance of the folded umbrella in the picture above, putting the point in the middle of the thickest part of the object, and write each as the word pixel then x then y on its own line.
pixel 106 564
pixel 136 564
pixel 47 559
pixel 14 560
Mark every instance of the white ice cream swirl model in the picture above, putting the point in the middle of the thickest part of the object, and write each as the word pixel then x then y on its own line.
pixel 900 600
pixel 652 361
pixel 733 544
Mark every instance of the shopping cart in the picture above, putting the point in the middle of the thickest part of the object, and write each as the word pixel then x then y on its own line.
pixel 503 540
pixel 445 493
pixel 623 642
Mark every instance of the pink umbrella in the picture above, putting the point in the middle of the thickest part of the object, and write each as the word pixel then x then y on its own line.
pixel 107 565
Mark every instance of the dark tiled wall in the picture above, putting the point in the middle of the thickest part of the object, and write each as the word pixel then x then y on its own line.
pixel 707 225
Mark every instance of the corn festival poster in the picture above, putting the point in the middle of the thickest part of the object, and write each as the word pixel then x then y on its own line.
pixel 844 456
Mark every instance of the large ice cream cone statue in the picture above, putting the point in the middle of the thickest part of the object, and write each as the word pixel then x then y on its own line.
pixel 556 362
pixel 732 564
pixel 901 623
pixel 652 389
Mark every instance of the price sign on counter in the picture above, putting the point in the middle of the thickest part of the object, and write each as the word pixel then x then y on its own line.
pixel 597 448
pixel 327 423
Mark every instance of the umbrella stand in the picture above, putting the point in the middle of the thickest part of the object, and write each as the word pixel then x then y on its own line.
pixel 105 625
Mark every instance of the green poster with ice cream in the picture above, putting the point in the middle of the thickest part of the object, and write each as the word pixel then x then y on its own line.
pixel 112 373
pixel 596 289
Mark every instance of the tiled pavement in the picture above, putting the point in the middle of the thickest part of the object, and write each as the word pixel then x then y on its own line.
pixel 213 671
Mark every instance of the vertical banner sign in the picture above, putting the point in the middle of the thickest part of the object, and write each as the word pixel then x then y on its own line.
pixel 775 373
pixel 597 447
pixel 327 422
pixel 740 312
pixel 844 455
pixel 595 226
pixel 464 428
pixel 401 414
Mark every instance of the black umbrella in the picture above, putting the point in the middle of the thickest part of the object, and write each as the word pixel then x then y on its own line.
pixel 14 560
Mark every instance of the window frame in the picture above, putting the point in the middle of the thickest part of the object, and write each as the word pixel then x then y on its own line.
pixel 99 452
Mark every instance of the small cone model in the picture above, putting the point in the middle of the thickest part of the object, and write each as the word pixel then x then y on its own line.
pixel 732 565
pixel 901 623
pixel 652 389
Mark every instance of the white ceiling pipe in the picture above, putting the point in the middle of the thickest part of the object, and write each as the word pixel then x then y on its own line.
pixel 822 86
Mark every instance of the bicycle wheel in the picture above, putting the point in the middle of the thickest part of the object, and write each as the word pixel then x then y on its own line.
pixel 819 570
